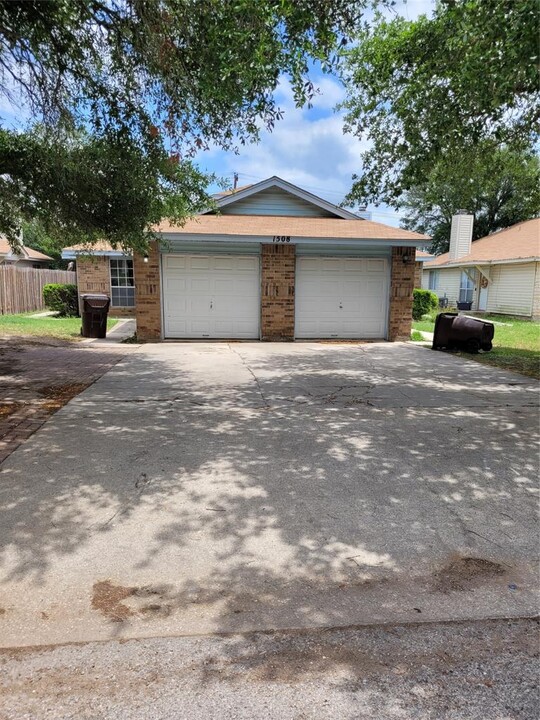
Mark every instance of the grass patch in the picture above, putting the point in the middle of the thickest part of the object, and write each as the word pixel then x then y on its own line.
pixel 416 336
pixel 49 326
pixel 516 345
pixel 526 362
pixel 424 325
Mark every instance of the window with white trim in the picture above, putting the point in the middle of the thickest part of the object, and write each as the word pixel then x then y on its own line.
pixel 122 283
pixel 433 279
pixel 466 288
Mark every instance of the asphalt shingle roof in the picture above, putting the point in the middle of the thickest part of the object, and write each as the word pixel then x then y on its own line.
pixel 521 241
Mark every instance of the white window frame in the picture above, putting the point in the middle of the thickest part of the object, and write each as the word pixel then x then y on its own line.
pixel 466 287
pixel 433 280
pixel 122 282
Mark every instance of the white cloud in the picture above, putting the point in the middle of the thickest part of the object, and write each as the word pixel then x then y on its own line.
pixel 307 147
pixel 409 9
pixel 330 93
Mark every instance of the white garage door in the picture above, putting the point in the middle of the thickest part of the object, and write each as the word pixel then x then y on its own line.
pixel 341 297
pixel 211 296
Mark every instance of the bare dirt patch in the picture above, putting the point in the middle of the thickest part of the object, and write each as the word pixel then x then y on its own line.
pixel 58 395
pixel 463 573
pixel 7 409
pixel 107 598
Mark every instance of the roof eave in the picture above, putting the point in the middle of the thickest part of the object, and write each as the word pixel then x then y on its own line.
pixel 70 254
pixel 295 240
pixel 474 263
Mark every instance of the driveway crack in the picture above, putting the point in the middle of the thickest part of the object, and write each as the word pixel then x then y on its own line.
pixel 250 371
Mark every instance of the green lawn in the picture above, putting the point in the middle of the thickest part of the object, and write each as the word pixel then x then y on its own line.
pixel 54 327
pixel 516 345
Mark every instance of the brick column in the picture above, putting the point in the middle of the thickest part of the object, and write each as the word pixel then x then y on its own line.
pixel 401 291
pixel 277 292
pixel 147 294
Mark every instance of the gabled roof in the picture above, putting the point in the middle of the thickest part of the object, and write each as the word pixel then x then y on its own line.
pixel 23 252
pixel 228 198
pixel 519 242
pixel 268 226
pixel 225 193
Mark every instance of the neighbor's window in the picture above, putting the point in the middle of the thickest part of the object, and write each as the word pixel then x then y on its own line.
pixel 122 283
pixel 433 279
pixel 466 288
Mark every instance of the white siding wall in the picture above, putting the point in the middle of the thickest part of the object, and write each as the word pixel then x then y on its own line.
pixel 274 202
pixel 511 289
pixel 448 283
pixel 536 293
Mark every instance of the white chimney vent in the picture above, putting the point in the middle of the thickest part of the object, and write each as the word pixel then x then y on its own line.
pixel 460 235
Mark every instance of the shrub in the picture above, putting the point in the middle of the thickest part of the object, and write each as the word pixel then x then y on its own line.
pixel 424 301
pixel 62 298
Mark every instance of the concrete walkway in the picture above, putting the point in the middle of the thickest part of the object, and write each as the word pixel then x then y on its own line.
pixel 202 488
pixel 123 330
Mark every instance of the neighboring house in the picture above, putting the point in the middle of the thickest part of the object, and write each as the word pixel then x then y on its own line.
pixel 499 273
pixel 23 256
pixel 275 263
pixel 422 257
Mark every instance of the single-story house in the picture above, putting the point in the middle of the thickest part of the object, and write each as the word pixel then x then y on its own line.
pixel 499 273
pixel 23 256
pixel 274 262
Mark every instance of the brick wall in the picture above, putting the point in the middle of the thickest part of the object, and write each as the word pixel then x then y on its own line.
pixel 148 295
pixel 401 288
pixel 94 276
pixel 277 292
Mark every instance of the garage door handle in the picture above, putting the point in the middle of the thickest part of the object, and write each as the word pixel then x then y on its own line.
pixel 340 306
pixel 211 304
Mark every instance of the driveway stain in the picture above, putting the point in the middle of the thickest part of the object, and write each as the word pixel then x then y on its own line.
pixel 107 599
pixel 462 573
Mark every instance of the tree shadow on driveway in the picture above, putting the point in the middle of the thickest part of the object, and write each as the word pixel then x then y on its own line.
pixel 220 488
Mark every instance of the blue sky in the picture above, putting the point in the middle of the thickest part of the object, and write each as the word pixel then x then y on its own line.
pixel 308 147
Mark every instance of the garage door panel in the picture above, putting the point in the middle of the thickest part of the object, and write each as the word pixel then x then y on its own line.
pixel 175 262
pixel 376 265
pixel 211 296
pixel 174 284
pixel 341 297
pixel 199 262
pixel 249 264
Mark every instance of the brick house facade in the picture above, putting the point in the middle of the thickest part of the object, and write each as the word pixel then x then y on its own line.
pixel 94 276
pixel 275 259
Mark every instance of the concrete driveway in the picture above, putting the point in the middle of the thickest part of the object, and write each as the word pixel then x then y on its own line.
pixel 202 488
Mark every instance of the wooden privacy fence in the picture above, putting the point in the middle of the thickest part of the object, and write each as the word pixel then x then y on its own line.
pixel 21 289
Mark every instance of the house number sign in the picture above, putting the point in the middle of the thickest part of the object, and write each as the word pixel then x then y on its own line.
pixel 281 238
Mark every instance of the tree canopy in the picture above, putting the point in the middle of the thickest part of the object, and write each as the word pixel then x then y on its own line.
pixel 120 86
pixel 441 86
pixel 500 188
